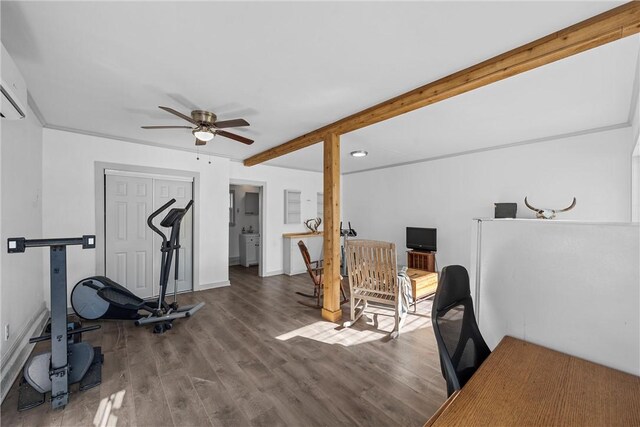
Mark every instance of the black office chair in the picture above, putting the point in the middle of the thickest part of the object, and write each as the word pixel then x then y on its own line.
pixel 460 344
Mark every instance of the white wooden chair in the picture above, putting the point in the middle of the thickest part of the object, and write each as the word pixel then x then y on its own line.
pixel 373 277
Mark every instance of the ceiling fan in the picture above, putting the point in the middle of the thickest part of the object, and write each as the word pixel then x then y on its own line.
pixel 205 126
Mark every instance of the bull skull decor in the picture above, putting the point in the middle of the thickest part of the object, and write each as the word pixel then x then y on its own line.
pixel 549 213
pixel 313 224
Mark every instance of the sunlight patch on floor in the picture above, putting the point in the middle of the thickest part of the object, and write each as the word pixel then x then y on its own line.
pixel 104 416
pixel 375 325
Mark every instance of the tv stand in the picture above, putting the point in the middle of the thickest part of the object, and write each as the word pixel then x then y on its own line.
pixel 421 260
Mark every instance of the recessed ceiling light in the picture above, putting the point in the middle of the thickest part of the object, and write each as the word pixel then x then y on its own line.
pixel 359 153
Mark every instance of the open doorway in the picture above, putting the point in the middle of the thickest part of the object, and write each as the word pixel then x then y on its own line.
pixel 245 227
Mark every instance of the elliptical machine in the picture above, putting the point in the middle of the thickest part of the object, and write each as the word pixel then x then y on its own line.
pixel 345 233
pixel 99 297
pixel 70 360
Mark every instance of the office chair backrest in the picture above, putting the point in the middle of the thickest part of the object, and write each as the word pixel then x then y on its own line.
pixel 460 344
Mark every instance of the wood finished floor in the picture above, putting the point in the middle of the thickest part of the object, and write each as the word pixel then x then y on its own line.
pixel 253 356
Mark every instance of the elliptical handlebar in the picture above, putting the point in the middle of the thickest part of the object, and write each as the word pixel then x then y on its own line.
pixel 348 232
pixel 186 208
pixel 155 214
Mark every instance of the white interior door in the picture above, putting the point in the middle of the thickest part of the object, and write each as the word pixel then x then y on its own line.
pixel 182 191
pixel 129 248
pixel 132 249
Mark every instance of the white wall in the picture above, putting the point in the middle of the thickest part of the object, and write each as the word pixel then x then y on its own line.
pixel 570 286
pixel 277 180
pixel 21 290
pixel 635 158
pixel 635 109
pixel 635 183
pixel 448 193
pixel 242 220
pixel 69 196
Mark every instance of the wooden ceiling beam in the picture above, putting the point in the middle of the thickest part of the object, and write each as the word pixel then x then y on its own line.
pixel 607 27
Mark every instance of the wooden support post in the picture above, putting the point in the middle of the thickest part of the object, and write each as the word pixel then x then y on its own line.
pixel 331 310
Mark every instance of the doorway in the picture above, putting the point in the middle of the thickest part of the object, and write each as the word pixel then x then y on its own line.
pixel 132 254
pixel 245 227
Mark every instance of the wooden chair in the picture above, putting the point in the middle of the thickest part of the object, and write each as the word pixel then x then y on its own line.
pixel 373 277
pixel 315 270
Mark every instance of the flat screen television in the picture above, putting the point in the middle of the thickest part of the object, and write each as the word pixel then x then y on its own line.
pixel 422 239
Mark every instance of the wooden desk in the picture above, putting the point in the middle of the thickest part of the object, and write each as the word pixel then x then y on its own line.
pixel 523 384
pixel 423 284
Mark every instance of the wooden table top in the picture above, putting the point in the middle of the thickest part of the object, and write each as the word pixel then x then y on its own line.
pixel 302 234
pixel 414 273
pixel 523 384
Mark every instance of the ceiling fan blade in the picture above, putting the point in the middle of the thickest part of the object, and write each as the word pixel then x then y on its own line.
pixel 235 137
pixel 165 127
pixel 200 142
pixel 179 114
pixel 231 123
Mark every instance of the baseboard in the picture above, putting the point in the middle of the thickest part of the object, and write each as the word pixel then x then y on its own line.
pixel 234 261
pixel 11 365
pixel 214 285
pixel 273 273
pixel 295 273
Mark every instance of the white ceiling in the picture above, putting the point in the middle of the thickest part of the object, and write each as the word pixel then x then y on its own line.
pixel 288 68
pixel 585 92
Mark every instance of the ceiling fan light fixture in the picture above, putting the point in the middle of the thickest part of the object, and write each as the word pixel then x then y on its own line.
pixel 207 126
pixel 203 134
pixel 359 153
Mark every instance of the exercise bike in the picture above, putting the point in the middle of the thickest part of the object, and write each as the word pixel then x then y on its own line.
pixel 99 297
pixel 345 233
pixel 70 360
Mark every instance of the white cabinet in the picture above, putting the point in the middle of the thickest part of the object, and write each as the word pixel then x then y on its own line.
pixel 249 249
pixel 251 203
pixel 293 262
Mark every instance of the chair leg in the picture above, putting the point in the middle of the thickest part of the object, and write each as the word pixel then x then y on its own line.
pixel 344 295
pixel 317 294
pixel 352 309
pixel 396 329
pixel 356 311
